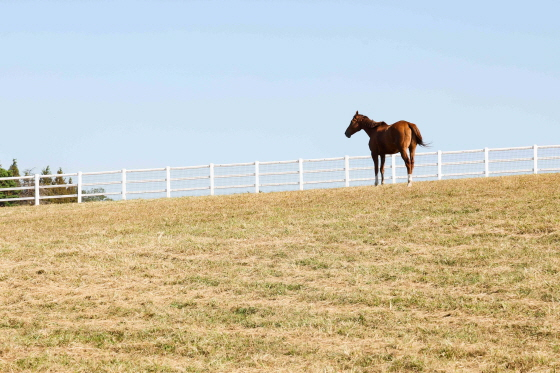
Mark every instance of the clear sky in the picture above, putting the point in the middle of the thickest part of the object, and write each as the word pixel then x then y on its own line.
pixel 105 85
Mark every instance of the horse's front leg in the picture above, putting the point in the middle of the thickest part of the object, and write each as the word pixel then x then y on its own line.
pixel 382 168
pixel 376 167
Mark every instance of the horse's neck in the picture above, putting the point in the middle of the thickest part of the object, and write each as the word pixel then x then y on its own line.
pixel 370 131
pixel 370 126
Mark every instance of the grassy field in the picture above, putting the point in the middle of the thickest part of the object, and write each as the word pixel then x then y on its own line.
pixel 449 276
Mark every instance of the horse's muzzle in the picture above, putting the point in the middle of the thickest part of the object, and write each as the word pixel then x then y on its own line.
pixel 347 135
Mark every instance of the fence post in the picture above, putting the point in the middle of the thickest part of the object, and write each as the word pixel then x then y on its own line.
pixel 79 186
pixel 257 181
pixel 394 168
pixel 300 174
pixel 439 165
pixel 123 184
pixel 535 159
pixel 168 181
pixel 486 162
pixel 211 179
pixel 347 170
pixel 37 189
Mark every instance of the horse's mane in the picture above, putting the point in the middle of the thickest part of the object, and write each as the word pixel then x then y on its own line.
pixel 370 123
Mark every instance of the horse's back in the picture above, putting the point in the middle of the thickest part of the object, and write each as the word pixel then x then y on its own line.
pixel 401 125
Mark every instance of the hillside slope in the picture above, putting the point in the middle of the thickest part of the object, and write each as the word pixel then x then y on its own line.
pixel 459 275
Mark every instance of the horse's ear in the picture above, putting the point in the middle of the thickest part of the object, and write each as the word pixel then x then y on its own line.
pixel 356 112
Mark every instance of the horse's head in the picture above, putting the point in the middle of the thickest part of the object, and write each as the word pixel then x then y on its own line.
pixel 355 125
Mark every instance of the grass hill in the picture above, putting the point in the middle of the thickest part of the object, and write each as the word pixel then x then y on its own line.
pixel 458 275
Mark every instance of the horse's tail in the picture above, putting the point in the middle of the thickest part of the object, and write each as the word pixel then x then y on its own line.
pixel 417 135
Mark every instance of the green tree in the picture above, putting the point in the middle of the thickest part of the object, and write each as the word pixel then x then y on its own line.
pixel 15 171
pixel 46 180
pixel 7 184
pixel 63 190
pixel 50 186
pixel 58 180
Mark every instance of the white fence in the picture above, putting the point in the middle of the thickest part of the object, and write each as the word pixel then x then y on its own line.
pixel 258 177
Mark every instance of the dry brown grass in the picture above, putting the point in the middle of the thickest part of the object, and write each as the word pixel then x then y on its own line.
pixel 458 275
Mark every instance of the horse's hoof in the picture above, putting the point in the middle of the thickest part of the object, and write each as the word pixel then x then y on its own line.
pixel 409 185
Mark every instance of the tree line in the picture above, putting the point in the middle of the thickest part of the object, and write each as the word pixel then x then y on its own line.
pixel 50 190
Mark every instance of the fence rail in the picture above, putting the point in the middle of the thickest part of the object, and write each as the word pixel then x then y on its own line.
pixel 267 176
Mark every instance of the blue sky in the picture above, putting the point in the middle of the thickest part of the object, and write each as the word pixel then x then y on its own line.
pixel 105 85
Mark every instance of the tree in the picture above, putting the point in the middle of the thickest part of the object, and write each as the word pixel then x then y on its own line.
pixel 59 180
pixel 15 171
pixel 30 183
pixel 7 184
pixel 49 186
pixel 46 180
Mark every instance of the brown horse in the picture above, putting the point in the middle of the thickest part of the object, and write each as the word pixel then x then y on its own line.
pixel 385 139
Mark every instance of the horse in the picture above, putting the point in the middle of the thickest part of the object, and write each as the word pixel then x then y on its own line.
pixel 385 139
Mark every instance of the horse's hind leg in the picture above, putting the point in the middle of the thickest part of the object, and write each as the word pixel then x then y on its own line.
pixel 408 164
pixel 412 151
pixel 376 167
pixel 382 168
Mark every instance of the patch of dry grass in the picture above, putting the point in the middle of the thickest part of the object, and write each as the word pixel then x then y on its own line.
pixel 459 275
